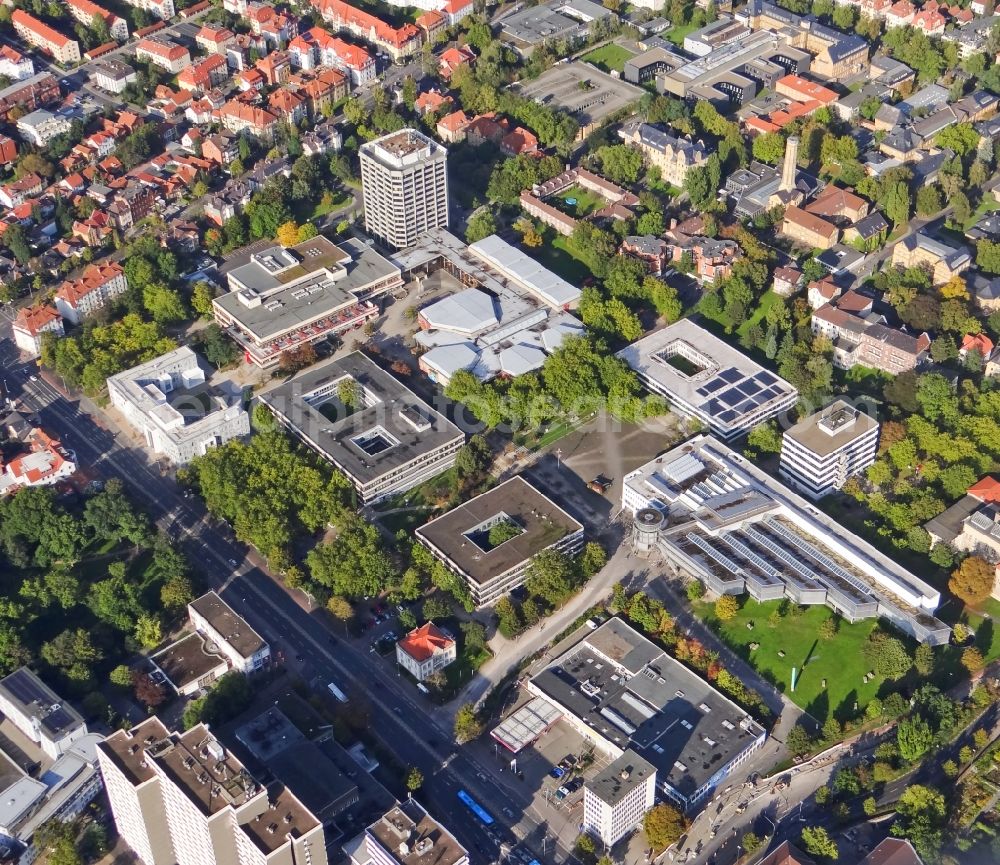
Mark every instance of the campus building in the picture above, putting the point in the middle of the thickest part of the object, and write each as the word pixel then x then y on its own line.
pixel 707 380
pixel 491 569
pixel 404 181
pixel 823 450
pixel 183 799
pixel 386 442
pixel 633 701
pixel 179 415
pixel 673 155
pixel 618 797
pixel 713 516
pixel 282 299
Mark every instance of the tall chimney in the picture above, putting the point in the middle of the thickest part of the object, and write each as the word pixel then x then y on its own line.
pixel 788 168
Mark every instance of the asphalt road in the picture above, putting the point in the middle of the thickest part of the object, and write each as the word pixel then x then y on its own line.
pixel 400 718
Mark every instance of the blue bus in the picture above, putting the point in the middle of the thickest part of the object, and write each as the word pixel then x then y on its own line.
pixel 475 808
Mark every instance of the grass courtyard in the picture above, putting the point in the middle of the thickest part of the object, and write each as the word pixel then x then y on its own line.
pixel 609 58
pixel 840 661
pixel 767 300
pixel 585 202
pixel 557 255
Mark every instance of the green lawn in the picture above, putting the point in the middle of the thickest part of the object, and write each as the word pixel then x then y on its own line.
pixel 988 637
pixel 557 256
pixel 609 58
pixel 586 201
pixel 767 300
pixel 677 34
pixel 839 661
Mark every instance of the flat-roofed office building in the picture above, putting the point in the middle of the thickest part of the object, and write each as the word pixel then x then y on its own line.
pixel 386 442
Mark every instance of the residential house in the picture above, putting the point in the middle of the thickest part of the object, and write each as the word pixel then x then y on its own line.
pixel 8 150
pixel 321 139
pixel 204 74
pixel 42 36
pixel 451 128
pixel 452 58
pixel 27 95
pixel 31 322
pixel 81 297
pixel 46 463
pixel 320 90
pixel 113 75
pixel 15 65
pixel 432 24
pixel 866 340
pixel 316 47
pixel 162 9
pixel 18 191
pixel 432 100
pixel 41 126
pixel 519 141
pixel 787 281
pixel 397 42
pixel 921 250
pixel 978 344
pixel 214 40
pixel 839 206
pixel 276 68
pixel 222 148
pixel 652 251
pixel 868 233
pixel 236 116
pixel 287 105
pixel 808 230
pixel 425 651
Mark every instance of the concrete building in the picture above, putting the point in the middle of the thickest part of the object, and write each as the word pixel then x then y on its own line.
pixel 183 799
pixel 569 20
pixel 823 450
pixel 387 442
pixel 941 260
pixel 404 181
pixel 39 714
pixel 425 651
pixel 282 299
pixel 48 39
pixel 245 649
pixel 633 701
pixel 31 323
pixel 85 11
pixel 618 797
pixel 491 569
pixel 737 529
pixel 179 414
pixel 708 380
pixel 76 299
pixel 406 835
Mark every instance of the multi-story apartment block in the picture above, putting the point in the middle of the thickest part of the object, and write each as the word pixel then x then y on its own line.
pixel 47 38
pixel 493 561
pixel 162 9
pixel 823 450
pixel 407 835
pixel 425 650
pixel 404 181
pixel 91 291
pixel 397 42
pixel 33 321
pixel 15 65
pixel 18 191
pixel 858 340
pixel 31 706
pixel 237 116
pixel 163 53
pixel 41 126
pixel 674 156
pixel 316 47
pixel 168 402
pixel 183 799
pixel 389 442
pixel 229 633
pixel 204 74
pixel 921 250
pixel 618 797
pixel 214 40
pixel 86 11
pixel 29 94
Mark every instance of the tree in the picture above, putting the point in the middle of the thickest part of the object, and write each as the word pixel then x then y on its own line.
pixel 475 636
pixel 798 741
pixel 869 806
pixel 164 305
pixel 972 660
pixel 414 779
pixel 288 233
pixel 148 632
pixel 987 254
pixel 828 629
pixel 481 224
pixel 467 725
pixel 960 137
pixel 151 694
pixel 923 660
pixel 550 576
pixel 340 608
pixel 972 580
pixel 921 814
pixel 663 825
pixel 914 738
pixel 896 203
pixel 202 296
pixel 817 842
pixel 765 438
pixel 751 843
pixel 695 590
pixel 592 559
pixel 887 655
pixel 726 608
pixel 121 676
pixel 620 163
pixel 769 147
pixel 929 200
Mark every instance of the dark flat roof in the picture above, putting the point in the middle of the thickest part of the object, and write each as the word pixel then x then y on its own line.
pixel 38 701
pixel 616 781
pixel 317 781
pixel 416 426
pixel 408 823
pixel 542 521
pixel 234 629
pixel 187 660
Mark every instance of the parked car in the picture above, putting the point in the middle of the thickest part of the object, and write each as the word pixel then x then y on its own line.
pixel 557 772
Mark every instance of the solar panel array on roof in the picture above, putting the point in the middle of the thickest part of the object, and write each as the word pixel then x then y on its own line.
pixel 37 701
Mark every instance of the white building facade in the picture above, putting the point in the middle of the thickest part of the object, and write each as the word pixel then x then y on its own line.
pixel 616 800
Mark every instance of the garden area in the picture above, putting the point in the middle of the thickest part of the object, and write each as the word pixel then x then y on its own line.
pixel 557 254
pixel 609 58
pixel 577 201
pixel 793 639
